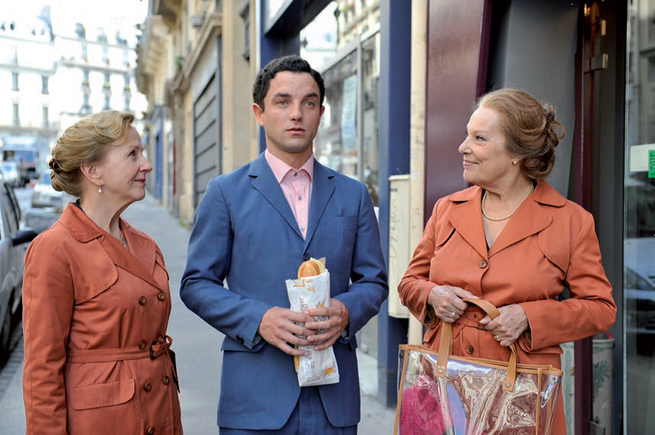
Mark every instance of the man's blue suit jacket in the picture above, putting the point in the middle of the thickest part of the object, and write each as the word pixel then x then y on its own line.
pixel 245 238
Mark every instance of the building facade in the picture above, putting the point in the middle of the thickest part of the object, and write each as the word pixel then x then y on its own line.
pixel 27 68
pixel 54 70
pixel 195 69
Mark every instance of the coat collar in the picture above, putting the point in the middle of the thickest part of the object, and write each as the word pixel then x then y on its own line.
pixel 84 230
pixel 322 189
pixel 530 218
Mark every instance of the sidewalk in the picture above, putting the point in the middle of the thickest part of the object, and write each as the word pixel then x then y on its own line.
pixel 199 374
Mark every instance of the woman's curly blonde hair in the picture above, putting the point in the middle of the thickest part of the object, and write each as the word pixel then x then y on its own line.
pixel 530 128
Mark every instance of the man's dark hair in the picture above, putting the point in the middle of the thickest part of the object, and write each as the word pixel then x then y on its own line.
pixel 292 63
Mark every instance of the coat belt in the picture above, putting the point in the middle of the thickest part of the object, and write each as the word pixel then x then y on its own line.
pixel 153 351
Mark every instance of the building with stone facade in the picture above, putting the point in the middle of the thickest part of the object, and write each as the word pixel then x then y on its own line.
pixel 56 67
pixel 195 68
pixel 27 68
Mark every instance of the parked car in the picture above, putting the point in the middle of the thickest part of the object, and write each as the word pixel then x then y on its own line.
pixel 45 196
pixel 13 240
pixel 25 156
pixel 639 263
pixel 639 290
pixel 40 219
pixel 9 172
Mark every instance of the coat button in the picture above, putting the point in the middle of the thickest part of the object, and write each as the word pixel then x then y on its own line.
pixel 161 339
pixel 469 349
pixel 147 386
pixel 482 264
pixel 161 296
pixel 143 344
pixel 143 300
pixel 166 380
pixel 150 431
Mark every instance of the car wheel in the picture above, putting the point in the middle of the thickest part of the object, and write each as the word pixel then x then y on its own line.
pixel 5 338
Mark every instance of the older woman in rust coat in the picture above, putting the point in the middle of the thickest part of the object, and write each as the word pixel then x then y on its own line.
pixel 513 240
pixel 96 297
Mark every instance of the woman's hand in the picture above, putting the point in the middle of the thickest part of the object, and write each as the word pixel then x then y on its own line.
pixel 447 301
pixel 507 327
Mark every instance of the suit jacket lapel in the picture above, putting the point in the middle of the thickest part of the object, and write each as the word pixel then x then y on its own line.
pixel 265 182
pixel 143 249
pixel 466 218
pixel 139 262
pixel 530 218
pixel 322 190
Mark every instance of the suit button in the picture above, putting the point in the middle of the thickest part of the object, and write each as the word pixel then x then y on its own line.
pixel 147 386
pixel 161 339
pixel 166 380
pixel 150 431
pixel 469 349
pixel 161 296
pixel 482 264
pixel 143 344
pixel 143 300
pixel 306 257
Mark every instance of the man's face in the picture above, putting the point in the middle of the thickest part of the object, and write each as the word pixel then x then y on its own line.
pixel 291 116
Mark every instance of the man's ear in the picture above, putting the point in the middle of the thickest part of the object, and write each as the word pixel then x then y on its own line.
pixel 322 110
pixel 259 112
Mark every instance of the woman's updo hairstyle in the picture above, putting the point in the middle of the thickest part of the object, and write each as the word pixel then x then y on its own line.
pixel 530 129
pixel 84 142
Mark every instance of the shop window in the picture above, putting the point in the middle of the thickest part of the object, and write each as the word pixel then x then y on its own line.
pixel 639 219
pixel 347 140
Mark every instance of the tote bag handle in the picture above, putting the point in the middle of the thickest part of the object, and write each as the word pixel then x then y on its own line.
pixel 445 344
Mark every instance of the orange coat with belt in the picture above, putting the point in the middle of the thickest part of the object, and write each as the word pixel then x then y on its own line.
pixel 548 245
pixel 97 356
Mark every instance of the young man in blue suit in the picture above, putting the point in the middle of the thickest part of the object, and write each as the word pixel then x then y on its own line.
pixel 253 228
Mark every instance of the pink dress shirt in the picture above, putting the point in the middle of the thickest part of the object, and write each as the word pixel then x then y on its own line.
pixel 296 185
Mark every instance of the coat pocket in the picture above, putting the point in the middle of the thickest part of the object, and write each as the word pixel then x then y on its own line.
pixel 112 404
pixel 101 395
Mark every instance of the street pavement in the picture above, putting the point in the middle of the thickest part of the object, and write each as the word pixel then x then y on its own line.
pixel 196 345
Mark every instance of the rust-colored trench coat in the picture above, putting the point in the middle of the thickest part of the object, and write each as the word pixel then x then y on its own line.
pixel 97 355
pixel 547 245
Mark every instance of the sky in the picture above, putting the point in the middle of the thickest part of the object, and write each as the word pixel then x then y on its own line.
pixel 91 13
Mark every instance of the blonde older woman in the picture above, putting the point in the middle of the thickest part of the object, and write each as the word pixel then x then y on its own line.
pixel 96 297
pixel 513 240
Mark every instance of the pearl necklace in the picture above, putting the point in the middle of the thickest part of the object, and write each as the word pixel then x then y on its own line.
pixel 496 219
